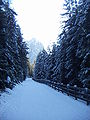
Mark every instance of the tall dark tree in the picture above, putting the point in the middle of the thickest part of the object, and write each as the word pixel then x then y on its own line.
pixel 13 61
pixel 69 60
pixel 40 66
pixel 76 43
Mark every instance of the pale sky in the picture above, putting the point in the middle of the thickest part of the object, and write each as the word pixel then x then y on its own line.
pixel 39 19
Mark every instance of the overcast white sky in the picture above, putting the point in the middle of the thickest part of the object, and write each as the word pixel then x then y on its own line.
pixel 39 19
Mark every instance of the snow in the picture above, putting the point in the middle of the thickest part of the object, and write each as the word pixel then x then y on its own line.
pixel 8 79
pixel 34 101
pixel 3 9
pixel 34 47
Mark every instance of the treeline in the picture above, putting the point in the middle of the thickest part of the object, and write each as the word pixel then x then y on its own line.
pixel 13 51
pixel 69 60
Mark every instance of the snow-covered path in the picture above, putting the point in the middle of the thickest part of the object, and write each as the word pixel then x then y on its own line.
pixel 34 101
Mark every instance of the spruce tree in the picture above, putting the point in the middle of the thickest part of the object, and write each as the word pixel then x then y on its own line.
pixel 13 51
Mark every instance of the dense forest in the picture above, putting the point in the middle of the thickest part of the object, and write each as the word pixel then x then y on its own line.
pixel 13 51
pixel 69 60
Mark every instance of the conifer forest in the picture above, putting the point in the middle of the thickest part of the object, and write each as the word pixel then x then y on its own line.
pixel 13 51
pixel 69 60
pixel 38 83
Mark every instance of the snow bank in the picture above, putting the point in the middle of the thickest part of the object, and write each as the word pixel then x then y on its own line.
pixel 34 101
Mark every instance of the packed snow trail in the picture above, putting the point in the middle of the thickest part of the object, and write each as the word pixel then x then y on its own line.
pixel 34 101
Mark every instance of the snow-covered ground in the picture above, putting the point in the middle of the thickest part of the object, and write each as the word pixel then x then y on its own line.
pixel 34 101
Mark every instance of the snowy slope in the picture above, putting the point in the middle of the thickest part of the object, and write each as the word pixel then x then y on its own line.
pixel 34 101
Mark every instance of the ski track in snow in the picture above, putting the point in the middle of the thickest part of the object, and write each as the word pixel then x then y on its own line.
pixel 34 101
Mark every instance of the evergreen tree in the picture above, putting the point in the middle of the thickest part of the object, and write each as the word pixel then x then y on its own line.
pixel 40 66
pixel 13 60
pixel 75 32
pixel 69 60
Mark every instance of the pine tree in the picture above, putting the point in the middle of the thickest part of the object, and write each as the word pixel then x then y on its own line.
pixel 13 51
pixel 75 33
pixel 69 60
pixel 40 66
